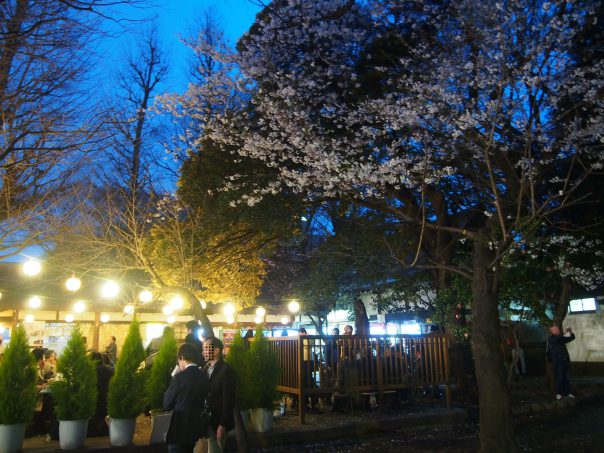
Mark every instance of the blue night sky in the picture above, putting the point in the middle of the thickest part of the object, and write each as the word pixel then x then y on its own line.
pixel 176 18
pixel 235 15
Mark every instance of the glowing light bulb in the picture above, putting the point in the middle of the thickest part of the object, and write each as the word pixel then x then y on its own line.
pixel 167 310
pixel 73 284
pixel 294 306
pixel 176 302
pixel 145 296
pixel 34 302
pixel 32 267
pixel 110 289
pixel 129 309
pixel 260 311
pixel 29 318
pixel 79 307
pixel 69 317
pixel 105 317
pixel 229 310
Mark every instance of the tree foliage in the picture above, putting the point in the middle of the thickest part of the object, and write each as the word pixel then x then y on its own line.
pixel 264 366
pixel 126 396
pixel 240 358
pixel 471 123
pixel 47 122
pixel 75 393
pixel 18 376
pixel 160 376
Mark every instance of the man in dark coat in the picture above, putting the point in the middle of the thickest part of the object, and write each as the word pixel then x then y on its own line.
pixel 185 398
pixel 221 395
pixel 193 337
pixel 558 354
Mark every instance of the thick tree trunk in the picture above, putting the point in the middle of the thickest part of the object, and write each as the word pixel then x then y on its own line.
pixel 361 320
pixel 563 301
pixel 496 434
pixel 198 312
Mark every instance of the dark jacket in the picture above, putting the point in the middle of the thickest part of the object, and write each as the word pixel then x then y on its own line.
pixel 556 345
pixel 185 398
pixel 97 425
pixel 221 396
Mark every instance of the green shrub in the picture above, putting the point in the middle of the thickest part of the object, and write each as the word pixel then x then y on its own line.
pixel 126 396
pixel 264 367
pixel 75 392
pixel 160 376
pixel 18 377
pixel 239 359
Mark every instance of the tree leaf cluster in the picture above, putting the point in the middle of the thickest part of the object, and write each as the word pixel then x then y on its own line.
pixel 18 376
pixel 265 368
pixel 240 358
pixel 159 378
pixel 75 393
pixel 126 396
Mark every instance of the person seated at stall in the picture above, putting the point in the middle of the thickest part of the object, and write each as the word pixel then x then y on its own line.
pixel 50 367
pixel 44 413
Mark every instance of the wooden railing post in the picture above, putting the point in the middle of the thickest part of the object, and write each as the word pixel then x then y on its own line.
pixel 447 373
pixel 301 385
pixel 379 372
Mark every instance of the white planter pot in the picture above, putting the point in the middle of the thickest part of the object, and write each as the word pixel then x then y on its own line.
pixel 11 437
pixel 72 434
pixel 262 420
pixel 121 431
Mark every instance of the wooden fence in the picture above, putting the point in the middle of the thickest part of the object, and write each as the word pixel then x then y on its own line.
pixel 314 366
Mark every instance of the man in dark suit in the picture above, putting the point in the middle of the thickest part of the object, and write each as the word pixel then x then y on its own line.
pixel 185 398
pixel 221 396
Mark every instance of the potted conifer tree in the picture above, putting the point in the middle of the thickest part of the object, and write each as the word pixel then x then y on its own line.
pixel 264 366
pixel 75 392
pixel 160 375
pixel 18 393
pixel 126 396
pixel 239 359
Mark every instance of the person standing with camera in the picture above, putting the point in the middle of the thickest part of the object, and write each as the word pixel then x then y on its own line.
pixel 558 355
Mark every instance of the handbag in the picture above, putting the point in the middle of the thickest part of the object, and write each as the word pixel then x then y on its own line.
pixel 159 429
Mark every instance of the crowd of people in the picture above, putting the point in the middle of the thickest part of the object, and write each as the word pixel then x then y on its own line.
pixel 45 421
pixel 201 393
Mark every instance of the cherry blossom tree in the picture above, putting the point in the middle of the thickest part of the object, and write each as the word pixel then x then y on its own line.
pixel 464 120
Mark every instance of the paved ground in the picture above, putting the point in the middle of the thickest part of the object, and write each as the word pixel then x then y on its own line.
pixel 425 425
